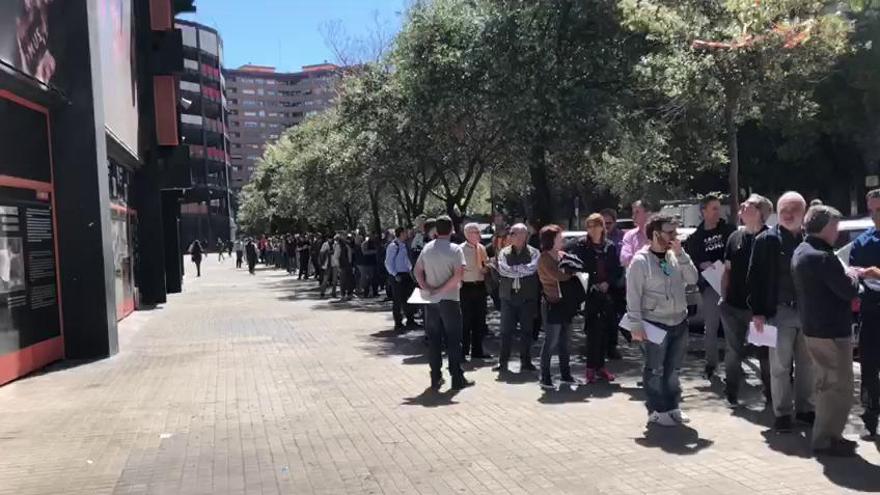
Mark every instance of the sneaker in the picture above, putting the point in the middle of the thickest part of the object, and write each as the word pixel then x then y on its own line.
pixel 807 418
pixel 661 419
pixel 782 424
pixel 606 375
pixel 679 416
pixel 568 379
pixel 547 384
pixel 462 383
pixel 591 375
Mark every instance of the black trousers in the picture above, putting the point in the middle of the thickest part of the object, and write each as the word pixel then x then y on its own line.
pixel 239 255
pixel 304 265
pixel 601 326
pixel 473 312
pixel 869 359
pixel 401 288
pixel 443 323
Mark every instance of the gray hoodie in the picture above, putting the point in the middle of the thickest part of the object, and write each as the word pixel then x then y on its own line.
pixel 655 296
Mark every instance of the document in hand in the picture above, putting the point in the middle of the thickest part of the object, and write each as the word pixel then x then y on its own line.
pixel 767 338
pixel 843 254
pixel 585 280
pixel 655 334
pixel 713 274
pixel 419 297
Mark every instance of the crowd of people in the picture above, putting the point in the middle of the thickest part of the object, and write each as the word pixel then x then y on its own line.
pixel 784 279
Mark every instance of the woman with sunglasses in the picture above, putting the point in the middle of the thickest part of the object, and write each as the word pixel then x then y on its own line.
pixel 655 300
pixel 601 262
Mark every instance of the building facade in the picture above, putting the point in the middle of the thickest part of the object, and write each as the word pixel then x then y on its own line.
pixel 200 168
pixel 263 103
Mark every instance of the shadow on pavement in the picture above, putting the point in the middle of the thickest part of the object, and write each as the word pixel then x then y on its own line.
pixel 679 440
pixel 796 443
pixel 567 394
pixel 432 398
pixel 854 473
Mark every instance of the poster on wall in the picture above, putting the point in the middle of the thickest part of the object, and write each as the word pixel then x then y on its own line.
pixel 31 38
pixel 28 284
pixel 118 72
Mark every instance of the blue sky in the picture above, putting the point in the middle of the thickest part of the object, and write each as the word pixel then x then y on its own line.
pixel 287 33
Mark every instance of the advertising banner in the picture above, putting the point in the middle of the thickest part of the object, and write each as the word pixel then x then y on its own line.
pixel 31 37
pixel 119 72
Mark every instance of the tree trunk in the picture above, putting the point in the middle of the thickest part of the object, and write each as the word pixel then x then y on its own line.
pixel 542 200
pixel 730 109
pixel 454 215
pixel 374 210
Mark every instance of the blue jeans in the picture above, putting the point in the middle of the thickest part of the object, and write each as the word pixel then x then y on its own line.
pixel 517 311
pixel 662 365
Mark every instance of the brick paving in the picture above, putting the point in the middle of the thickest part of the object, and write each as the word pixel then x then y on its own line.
pixel 252 385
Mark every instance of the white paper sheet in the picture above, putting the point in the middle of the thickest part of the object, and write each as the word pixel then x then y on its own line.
pixel 843 254
pixel 767 338
pixel 655 334
pixel 585 280
pixel 419 297
pixel 713 274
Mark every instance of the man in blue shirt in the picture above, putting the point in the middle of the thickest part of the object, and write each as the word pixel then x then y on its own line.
pixel 865 253
pixel 399 266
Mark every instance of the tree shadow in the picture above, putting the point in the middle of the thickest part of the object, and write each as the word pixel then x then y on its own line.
pixel 432 398
pixel 567 394
pixel 679 440
pixel 853 473
pixel 796 443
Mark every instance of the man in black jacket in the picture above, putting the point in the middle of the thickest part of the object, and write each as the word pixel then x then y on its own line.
pixel 825 291
pixel 773 300
pixel 706 246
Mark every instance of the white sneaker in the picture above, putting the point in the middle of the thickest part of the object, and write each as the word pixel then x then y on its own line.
pixel 661 419
pixel 679 416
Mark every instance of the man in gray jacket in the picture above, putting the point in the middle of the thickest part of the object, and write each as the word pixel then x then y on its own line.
pixel 655 298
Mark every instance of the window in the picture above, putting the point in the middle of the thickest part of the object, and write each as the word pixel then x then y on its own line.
pixel 249 103
pixel 274 114
pixel 254 146
pixel 250 114
pixel 251 124
pixel 262 113
pixel 248 91
pixel 261 91
pixel 236 145
pixel 246 80
pixel 271 93
pixel 270 82
pixel 261 81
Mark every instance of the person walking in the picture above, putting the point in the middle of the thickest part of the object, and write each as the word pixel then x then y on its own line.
pixel 735 312
pixel 367 266
pixel 221 247
pixel 239 252
pixel 346 267
pixel 196 253
pixel 706 247
pixel 473 293
pixel 302 251
pixel 439 270
pixel 634 240
pixel 252 253
pixel 315 256
pixel 517 268
pixel 602 263
pixel 558 306
pixel 655 296
pixel 865 253
pixel 399 266
pixel 773 301
pixel 825 291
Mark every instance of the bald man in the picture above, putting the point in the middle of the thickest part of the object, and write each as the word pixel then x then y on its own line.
pixel 773 301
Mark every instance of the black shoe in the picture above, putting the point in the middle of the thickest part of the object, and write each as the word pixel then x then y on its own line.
pixel 547 384
pixel 782 424
pixel 462 383
pixel 709 371
pixel 410 324
pixel 568 379
pixel 870 436
pixel 615 355
pixel 481 355
pixel 732 399
pixel 836 449
pixel 501 368
pixel 527 366
pixel 436 384
pixel 399 328
pixel 807 418
pixel 850 443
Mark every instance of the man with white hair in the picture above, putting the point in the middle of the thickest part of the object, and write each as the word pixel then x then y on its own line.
pixel 473 293
pixel 773 301
pixel 518 270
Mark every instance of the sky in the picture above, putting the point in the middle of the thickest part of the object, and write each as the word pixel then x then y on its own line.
pixel 286 34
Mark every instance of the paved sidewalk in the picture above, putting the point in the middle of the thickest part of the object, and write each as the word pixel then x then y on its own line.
pixel 251 385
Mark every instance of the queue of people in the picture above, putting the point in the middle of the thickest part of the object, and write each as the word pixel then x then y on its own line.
pixel 785 280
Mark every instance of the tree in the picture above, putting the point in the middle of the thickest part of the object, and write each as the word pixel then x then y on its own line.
pixel 726 62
